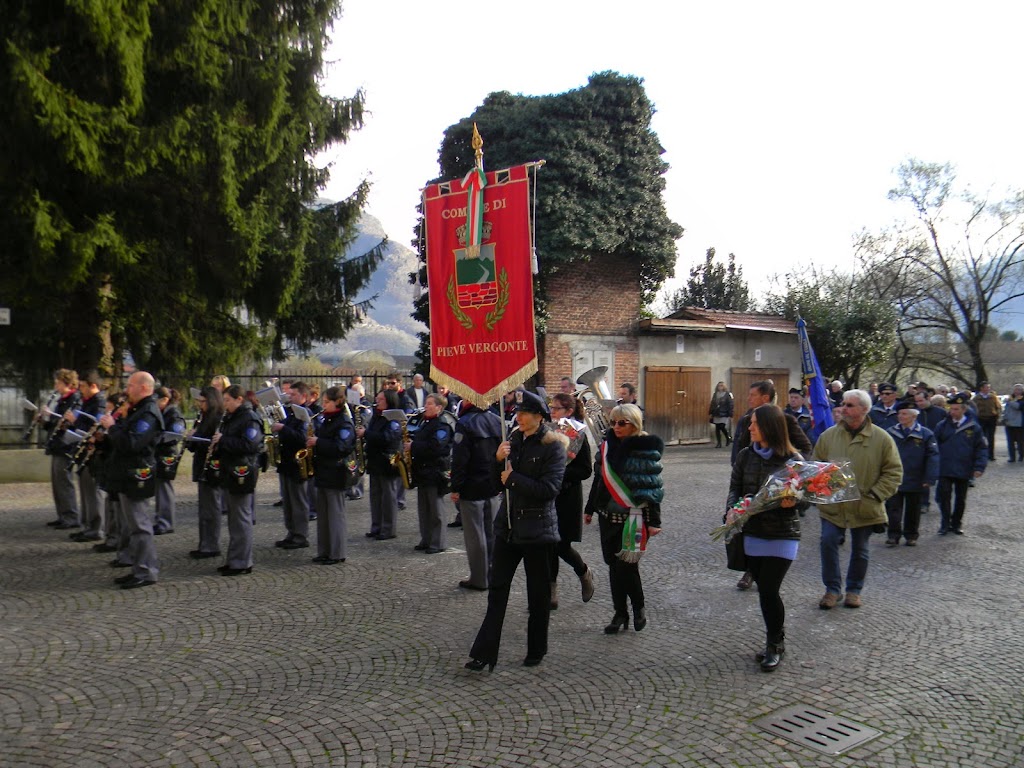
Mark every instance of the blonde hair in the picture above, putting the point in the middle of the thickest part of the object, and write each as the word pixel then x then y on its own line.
pixel 67 377
pixel 220 381
pixel 630 413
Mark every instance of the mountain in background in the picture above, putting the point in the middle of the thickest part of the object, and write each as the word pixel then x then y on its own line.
pixel 388 325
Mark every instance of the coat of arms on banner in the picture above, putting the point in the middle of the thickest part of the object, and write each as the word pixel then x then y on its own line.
pixel 477 282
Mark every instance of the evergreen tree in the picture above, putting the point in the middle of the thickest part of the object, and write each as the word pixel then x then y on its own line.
pixel 159 200
pixel 713 285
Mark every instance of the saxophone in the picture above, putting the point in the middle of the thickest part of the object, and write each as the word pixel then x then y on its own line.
pixel 357 419
pixel 304 456
pixel 402 459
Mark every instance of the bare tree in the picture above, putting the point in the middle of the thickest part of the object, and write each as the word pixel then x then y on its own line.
pixel 947 270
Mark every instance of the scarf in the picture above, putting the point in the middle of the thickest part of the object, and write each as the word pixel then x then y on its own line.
pixel 634 532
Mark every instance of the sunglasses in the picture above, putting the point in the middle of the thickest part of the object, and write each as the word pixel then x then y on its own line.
pixel 850 405
pixel 622 423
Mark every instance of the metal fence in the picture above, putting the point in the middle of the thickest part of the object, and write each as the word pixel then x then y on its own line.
pixel 15 418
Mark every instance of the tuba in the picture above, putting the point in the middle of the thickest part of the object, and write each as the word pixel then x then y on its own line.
pixel 596 398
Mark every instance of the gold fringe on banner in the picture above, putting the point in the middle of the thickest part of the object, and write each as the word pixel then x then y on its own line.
pixel 484 399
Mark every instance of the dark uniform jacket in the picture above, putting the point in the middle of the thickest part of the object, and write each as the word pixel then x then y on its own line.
pixel 804 420
pixel 432 452
pixel 963 450
pixel 538 466
pixel 55 444
pixel 334 453
pixel 132 442
pixel 168 450
pixel 749 474
pixel 919 452
pixel 383 440
pixel 476 441
pixel 882 418
pixel 204 427
pixel 637 462
pixel 293 439
pixel 241 440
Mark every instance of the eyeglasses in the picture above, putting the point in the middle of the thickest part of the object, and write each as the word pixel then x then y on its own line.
pixel 621 423
pixel 850 405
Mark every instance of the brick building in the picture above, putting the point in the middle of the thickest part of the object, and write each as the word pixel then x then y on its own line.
pixel 593 311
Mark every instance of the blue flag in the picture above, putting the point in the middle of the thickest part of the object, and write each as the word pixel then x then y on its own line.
pixel 821 406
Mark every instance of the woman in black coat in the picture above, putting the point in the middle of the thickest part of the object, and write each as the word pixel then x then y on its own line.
pixel 530 464
pixel 569 504
pixel 771 538
pixel 633 458
pixel 211 410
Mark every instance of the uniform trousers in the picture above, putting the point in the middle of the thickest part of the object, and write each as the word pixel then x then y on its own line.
pixel 93 504
pixel 433 515
pixel 137 515
pixel 296 510
pixel 240 522
pixel 313 491
pixel 952 518
pixel 904 511
pixel 165 500
pixel 535 559
pixel 112 518
pixel 478 530
pixel 210 504
pixel 331 524
pixel 623 577
pixel 384 504
pixel 65 499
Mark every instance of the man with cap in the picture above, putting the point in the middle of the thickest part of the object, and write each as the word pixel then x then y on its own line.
pixel 919 453
pixel 529 466
pixel 883 413
pixel 963 456
pixel 799 411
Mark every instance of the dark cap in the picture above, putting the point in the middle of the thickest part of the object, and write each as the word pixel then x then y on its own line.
pixel 795 391
pixel 960 398
pixel 907 405
pixel 527 402
pixel 886 387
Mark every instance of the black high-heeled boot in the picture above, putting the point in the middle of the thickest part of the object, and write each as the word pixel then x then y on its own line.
pixel 780 644
pixel 619 621
pixel 477 665
pixel 639 618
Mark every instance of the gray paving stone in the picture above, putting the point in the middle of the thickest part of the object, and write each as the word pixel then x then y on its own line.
pixel 360 664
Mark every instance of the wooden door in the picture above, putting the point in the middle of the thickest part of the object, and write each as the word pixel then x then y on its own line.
pixel 742 378
pixel 676 403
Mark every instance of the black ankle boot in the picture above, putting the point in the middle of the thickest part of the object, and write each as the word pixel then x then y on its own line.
pixel 773 653
pixel 780 644
pixel 639 618
pixel 619 621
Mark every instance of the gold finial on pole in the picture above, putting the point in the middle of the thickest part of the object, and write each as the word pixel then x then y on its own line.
pixel 478 144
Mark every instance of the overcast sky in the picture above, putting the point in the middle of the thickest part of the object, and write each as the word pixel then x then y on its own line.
pixel 782 122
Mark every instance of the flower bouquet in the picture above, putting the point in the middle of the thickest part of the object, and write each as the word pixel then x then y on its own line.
pixel 808 482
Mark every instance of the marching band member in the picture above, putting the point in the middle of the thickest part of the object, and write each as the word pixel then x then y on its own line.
pixel 130 473
pixel 91 496
pixel 292 432
pixel 237 445
pixel 168 454
pixel 117 406
pixel 332 446
pixel 65 381
pixel 431 449
pixel 383 440
pixel 211 411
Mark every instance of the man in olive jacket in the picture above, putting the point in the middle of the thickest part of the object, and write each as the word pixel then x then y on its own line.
pixel 879 472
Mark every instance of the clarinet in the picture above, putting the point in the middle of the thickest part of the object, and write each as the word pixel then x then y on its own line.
pixel 38 417
pixel 208 466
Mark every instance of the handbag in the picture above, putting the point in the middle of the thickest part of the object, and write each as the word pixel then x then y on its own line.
pixel 736 558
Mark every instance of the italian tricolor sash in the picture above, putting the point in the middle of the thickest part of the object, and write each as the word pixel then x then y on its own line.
pixel 634 532
pixel 615 486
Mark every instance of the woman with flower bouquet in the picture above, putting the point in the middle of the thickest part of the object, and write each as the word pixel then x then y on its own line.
pixel 627 493
pixel 771 537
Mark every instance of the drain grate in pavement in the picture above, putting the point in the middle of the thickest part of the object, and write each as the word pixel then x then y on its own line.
pixel 815 729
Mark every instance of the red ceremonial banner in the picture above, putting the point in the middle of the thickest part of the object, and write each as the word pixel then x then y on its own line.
pixel 482 339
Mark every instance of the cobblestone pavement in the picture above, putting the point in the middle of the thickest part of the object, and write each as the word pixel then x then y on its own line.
pixel 361 664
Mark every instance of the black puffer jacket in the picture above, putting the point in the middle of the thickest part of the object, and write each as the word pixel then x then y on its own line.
pixel 748 475
pixel 637 462
pixel 538 466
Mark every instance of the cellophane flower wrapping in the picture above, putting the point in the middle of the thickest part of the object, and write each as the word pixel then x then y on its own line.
pixel 806 482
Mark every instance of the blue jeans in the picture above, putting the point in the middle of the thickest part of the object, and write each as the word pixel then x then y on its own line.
pixel 831 571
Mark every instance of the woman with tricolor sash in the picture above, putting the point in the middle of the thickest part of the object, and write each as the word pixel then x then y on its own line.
pixel 627 495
